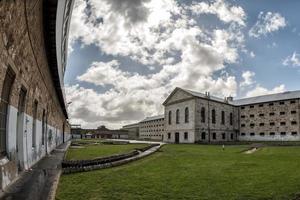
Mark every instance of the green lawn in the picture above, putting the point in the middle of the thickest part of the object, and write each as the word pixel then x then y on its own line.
pixel 193 172
pixel 100 150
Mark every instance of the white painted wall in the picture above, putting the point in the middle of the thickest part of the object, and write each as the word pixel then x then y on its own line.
pixel 27 155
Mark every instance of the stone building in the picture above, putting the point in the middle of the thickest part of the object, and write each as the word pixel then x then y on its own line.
pixel 133 130
pixel 196 117
pixel 152 128
pixel 103 132
pixel 33 51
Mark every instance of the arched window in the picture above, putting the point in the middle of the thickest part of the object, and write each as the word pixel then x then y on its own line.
pixel 203 114
pixel 213 116
pixel 186 115
pixel 170 117
pixel 231 119
pixel 223 117
pixel 177 116
pixel 4 102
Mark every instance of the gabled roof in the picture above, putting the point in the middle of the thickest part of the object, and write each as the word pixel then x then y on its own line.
pixel 267 98
pixel 195 94
pixel 201 95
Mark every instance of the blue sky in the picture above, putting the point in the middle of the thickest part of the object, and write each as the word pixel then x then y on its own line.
pixel 126 56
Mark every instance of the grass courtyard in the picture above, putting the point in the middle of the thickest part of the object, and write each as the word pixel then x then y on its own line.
pixel 193 172
pixel 91 151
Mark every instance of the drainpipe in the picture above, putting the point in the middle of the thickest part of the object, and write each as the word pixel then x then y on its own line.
pixel 208 119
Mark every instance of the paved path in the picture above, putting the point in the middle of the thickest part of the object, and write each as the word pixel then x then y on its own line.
pixel 137 141
pixel 39 182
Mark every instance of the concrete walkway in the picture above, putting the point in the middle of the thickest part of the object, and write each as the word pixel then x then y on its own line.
pixel 41 181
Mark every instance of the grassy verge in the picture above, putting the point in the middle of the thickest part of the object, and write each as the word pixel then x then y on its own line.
pixel 193 172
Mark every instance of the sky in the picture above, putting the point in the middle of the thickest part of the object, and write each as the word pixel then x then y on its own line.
pixel 126 56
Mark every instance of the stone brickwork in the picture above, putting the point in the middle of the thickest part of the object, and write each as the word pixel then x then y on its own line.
pixel 270 121
pixel 22 49
pixel 221 130
pixel 180 127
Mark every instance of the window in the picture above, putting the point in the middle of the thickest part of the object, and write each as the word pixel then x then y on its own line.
pixel 282 123
pixel 262 134
pixel 251 116
pixel 169 135
pixel 272 124
pixel 186 136
pixel 186 115
pixel 35 106
pixel 292 102
pixel 243 134
pixel 252 106
pixel 293 112
pixel 271 114
pixel 261 114
pixel 214 136
pixel 271 104
pixel 261 105
pixel 223 136
pixel 294 133
pixel 281 103
pixel 252 134
pixel 203 114
pixel 177 116
pixel 242 116
pixel 243 107
pixel 4 102
pixel 242 125
pixel 282 113
pixel 203 134
pixel 261 124
pixel 231 136
pixel 283 133
pixel 252 125
pixel 293 122
pixel 272 133
pixel 231 118
pixel 170 117
pixel 213 116
pixel 223 117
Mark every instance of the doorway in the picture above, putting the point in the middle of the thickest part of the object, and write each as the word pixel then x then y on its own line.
pixel 177 138
pixel 20 146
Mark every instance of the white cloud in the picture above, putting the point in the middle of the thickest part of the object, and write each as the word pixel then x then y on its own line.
pixel 154 33
pixel 247 78
pixel 267 23
pixel 252 54
pixel 222 10
pixel 259 90
pixel 292 60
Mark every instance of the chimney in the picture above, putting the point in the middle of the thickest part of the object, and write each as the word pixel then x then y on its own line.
pixel 230 98
pixel 207 94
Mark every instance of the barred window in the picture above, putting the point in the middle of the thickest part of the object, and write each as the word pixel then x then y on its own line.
pixel 223 117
